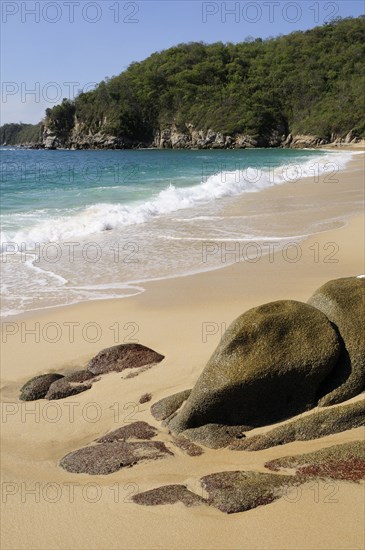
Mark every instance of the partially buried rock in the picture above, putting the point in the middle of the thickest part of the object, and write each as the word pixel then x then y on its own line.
pixel 123 356
pixel 168 405
pixel 107 458
pixel 215 436
pixel 187 446
pixel 72 384
pixel 168 494
pixel 136 430
pixel 237 491
pixel 342 462
pixel 145 398
pixel 37 387
pixel 318 424
pixel 343 301
pixel 268 366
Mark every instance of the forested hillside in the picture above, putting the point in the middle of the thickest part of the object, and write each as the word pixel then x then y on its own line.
pixel 305 83
pixel 13 134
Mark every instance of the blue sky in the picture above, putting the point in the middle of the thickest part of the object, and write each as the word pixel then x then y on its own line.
pixel 56 48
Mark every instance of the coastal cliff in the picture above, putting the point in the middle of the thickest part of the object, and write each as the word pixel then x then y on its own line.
pixel 186 138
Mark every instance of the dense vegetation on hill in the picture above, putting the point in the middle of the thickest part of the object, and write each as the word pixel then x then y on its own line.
pixel 305 83
pixel 13 134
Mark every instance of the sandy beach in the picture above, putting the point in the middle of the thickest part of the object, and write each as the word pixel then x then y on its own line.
pixel 182 318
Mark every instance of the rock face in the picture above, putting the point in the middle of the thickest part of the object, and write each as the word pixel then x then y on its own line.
pixel 343 301
pixel 123 356
pixel 72 384
pixel 182 136
pixel 300 142
pixel 37 387
pixel 186 136
pixel 268 366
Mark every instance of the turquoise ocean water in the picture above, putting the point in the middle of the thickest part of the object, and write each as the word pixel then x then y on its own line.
pixel 81 225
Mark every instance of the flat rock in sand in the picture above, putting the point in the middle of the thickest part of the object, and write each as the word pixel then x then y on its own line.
pixel 168 494
pixel 106 458
pixel 136 430
pixel 314 426
pixel 342 462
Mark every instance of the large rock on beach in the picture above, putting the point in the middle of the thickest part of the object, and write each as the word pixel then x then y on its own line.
pixel 37 387
pixel 268 366
pixel 343 301
pixel 123 356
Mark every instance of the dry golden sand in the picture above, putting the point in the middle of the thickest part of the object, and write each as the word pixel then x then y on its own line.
pixel 170 318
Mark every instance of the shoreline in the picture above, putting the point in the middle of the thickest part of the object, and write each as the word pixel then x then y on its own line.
pixel 237 205
pixel 360 144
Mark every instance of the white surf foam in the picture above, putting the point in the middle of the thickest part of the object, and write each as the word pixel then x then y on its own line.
pixel 104 216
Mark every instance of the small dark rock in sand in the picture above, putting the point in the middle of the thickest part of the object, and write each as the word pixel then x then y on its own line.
pixel 343 301
pixel 187 446
pixel 106 458
pixel 72 384
pixel 268 366
pixel 314 426
pixel 168 405
pixel 168 494
pixel 237 491
pixel 136 430
pixel 145 398
pixel 123 356
pixel 37 387
pixel 342 462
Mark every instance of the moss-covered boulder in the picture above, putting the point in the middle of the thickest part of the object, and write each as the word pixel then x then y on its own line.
pixel 268 366
pixel 343 301
pixel 37 387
